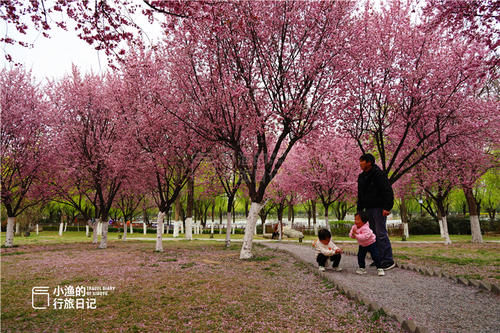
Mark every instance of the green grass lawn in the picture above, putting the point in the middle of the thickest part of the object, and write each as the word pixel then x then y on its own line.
pixel 52 237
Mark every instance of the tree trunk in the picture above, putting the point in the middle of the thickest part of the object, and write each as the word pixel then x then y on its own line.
pixel 404 219
pixel 176 229
pixel 189 208
pixel 95 232
pixel 280 220
pixel 177 215
pixel 9 237
pixel 313 208
pixel 447 240
pixel 104 236
pixel 246 249
pixel 290 209
pixel 37 228
pixel 440 220
pixel 475 227
pixel 61 228
pixel 213 211
pixel 144 228
pixel 124 231
pixel 309 217
pixel 159 231
pixel 327 224
pixel 228 227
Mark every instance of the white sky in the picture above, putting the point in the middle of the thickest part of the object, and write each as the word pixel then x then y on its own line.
pixel 53 57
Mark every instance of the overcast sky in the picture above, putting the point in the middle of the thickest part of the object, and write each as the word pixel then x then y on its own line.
pixel 53 57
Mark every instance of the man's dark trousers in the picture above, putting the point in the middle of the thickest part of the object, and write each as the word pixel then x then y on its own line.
pixel 379 228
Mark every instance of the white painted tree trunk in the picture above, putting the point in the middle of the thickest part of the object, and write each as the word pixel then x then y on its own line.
pixel 61 228
pixel 182 227
pixel 212 227
pixel 37 229
pixel 315 229
pixel 327 225
pixel 233 229
pixel 446 235
pixel 65 226
pixel 220 229
pixel 124 238
pixel 104 236
pixel 280 229
pixel 255 228
pixel 18 229
pixel 87 231
pixel 176 229
pixel 9 237
pixel 441 230
pixel 189 228
pixel 253 215
pixel 228 228
pixel 159 232
pixel 406 231
pixel 144 227
pixel 131 228
pixel 95 232
pixel 99 228
pixel 475 229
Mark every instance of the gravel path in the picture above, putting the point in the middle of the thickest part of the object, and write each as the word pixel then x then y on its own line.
pixel 433 302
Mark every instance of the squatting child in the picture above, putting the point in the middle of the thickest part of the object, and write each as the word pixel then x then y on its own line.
pixel 367 243
pixel 326 249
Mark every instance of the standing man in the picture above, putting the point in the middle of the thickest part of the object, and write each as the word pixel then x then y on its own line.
pixel 375 196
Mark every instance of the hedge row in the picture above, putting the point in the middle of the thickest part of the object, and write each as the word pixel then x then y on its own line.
pixel 456 226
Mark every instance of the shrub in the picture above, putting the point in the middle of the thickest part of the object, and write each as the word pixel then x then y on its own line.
pixel 457 225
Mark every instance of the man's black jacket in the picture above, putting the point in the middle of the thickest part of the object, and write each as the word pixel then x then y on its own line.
pixel 374 190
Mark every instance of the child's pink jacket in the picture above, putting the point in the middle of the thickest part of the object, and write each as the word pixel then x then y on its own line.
pixel 365 235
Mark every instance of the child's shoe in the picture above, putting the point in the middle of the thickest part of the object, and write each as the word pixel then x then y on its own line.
pixel 321 268
pixel 380 272
pixel 337 269
pixel 361 271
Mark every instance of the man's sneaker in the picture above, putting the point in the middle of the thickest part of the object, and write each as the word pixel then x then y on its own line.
pixel 388 267
pixel 361 271
pixel 380 272
pixel 337 269
pixel 321 268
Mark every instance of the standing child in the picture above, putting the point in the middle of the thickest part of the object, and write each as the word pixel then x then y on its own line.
pixel 326 249
pixel 367 243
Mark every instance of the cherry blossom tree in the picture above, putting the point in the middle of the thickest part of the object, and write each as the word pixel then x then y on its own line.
pixel 476 20
pixel 259 83
pixel 129 201
pixel 106 25
pixel 25 142
pixel 325 169
pixel 169 150
pixel 407 88
pixel 223 164
pixel 89 130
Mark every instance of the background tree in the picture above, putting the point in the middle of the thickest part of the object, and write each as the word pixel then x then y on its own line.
pixel 409 91
pixel 24 143
pixel 258 84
